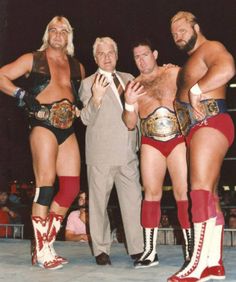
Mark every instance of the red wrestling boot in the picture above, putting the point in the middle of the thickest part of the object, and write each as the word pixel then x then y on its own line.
pixel 42 254
pixel 203 230
pixel 54 225
pixel 215 268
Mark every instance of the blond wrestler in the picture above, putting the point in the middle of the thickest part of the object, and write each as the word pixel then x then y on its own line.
pixel 150 97
pixel 53 77
pixel 209 132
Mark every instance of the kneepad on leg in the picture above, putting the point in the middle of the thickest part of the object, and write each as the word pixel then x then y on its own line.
pixel 69 187
pixel 43 195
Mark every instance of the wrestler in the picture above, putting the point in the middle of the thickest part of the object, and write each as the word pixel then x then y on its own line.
pixel 53 78
pixel 209 131
pixel 150 96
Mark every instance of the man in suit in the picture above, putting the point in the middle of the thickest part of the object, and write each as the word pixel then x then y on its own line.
pixel 110 154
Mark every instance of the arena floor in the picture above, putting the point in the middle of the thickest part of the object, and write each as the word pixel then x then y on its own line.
pixel 15 264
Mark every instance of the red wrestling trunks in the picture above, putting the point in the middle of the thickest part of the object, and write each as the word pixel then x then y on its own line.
pixel 160 130
pixel 221 122
pixel 164 147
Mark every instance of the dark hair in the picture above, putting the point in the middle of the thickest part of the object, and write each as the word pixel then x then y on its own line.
pixel 142 42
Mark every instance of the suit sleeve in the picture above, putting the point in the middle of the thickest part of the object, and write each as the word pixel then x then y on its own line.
pixel 89 112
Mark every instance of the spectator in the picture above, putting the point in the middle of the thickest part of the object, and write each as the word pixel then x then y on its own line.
pixel 76 227
pixel 7 215
pixel 232 221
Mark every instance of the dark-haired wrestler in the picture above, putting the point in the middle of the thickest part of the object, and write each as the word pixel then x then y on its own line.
pixel 53 77
pixel 151 98
pixel 209 131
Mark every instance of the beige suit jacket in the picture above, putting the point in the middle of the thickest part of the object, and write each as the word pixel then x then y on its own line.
pixel 108 140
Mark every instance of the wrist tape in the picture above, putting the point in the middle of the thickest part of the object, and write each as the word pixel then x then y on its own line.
pixel 196 90
pixel 19 93
pixel 129 108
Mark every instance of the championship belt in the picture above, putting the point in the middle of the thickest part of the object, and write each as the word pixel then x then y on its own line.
pixel 186 117
pixel 183 117
pixel 160 125
pixel 58 114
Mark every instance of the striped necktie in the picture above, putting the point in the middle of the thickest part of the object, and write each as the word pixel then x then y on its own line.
pixel 119 87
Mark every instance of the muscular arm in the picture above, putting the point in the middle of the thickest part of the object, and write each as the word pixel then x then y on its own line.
pixel 220 66
pixel 8 73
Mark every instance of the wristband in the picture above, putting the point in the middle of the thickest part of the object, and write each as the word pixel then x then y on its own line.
pixel 129 107
pixel 19 93
pixel 196 90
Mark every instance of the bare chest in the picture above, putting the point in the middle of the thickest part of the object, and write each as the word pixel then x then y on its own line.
pixel 60 72
pixel 160 92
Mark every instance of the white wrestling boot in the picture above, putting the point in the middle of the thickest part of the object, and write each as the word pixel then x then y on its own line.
pixel 149 257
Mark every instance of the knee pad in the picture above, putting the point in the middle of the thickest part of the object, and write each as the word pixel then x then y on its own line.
pixel 151 214
pixel 43 195
pixel 69 187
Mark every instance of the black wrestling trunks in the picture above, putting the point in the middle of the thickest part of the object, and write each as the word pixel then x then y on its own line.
pixel 59 114
pixel 57 117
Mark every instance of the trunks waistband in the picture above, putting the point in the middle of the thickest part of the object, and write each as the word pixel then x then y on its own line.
pixel 160 125
pixel 60 114
pixel 186 117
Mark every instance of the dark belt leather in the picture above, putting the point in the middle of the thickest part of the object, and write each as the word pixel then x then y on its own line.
pixel 186 116
pixel 60 114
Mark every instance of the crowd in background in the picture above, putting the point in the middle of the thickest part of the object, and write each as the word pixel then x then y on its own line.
pixel 16 201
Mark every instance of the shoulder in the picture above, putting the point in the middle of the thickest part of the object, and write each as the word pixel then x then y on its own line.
pixel 171 71
pixel 73 214
pixel 214 51
pixel 211 48
pixel 27 58
pixel 214 44
pixel 89 79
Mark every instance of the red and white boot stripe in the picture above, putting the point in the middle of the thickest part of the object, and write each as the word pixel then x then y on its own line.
pixel 54 225
pixel 215 268
pixel 198 262
pixel 42 254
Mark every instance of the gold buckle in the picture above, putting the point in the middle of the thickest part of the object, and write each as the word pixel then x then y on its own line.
pixel 62 114
pixel 183 117
pixel 211 107
pixel 161 125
